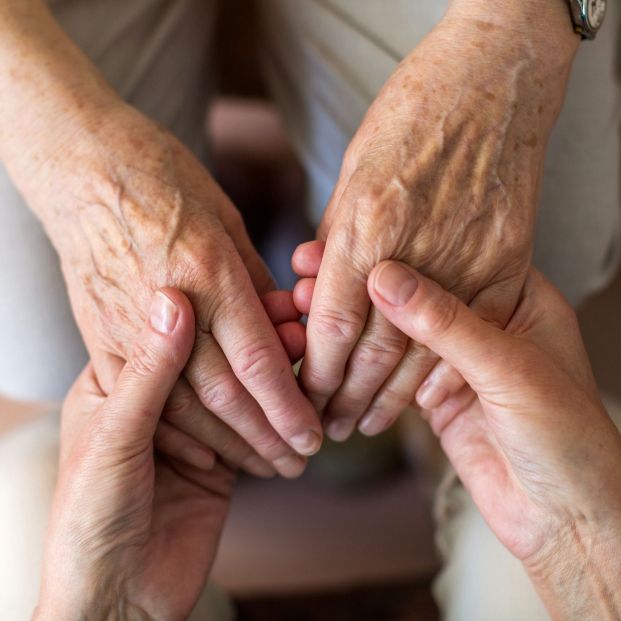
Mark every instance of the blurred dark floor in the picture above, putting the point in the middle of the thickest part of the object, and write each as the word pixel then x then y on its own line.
pixel 395 602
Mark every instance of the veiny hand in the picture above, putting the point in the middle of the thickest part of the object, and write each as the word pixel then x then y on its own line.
pixel 528 436
pixel 132 533
pixel 443 174
pixel 130 210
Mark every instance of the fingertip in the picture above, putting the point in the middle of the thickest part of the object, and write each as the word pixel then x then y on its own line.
pixel 306 259
pixel 393 282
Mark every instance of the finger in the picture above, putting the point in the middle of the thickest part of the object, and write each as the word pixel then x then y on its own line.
pixel 377 353
pixel 222 393
pixel 307 257
pixel 441 417
pixel 397 393
pixel 443 381
pixel 280 307
pixel 303 294
pixel 293 337
pixel 495 305
pixel 158 356
pixel 432 316
pixel 258 360
pixel 174 443
pixel 336 320
pixel 185 412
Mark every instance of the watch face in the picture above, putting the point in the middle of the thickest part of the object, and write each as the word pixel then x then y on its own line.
pixel 596 10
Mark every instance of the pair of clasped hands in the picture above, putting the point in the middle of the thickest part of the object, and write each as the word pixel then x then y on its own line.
pixel 134 532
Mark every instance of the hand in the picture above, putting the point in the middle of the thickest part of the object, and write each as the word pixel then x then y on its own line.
pixel 129 210
pixel 443 174
pixel 528 436
pixel 138 211
pixel 132 534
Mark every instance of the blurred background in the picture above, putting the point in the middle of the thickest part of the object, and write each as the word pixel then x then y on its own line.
pixel 352 539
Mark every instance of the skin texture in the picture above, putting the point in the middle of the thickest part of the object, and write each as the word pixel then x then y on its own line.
pixel 528 435
pixel 132 534
pixel 129 209
pixel 442 174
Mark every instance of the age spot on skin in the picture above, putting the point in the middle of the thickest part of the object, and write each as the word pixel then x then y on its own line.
pixel 531 141
pixel 484 26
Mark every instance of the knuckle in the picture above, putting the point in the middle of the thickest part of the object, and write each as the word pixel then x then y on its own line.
pixel 373 356
pixel 318 383
pixel 259 364
pixel 218 391
pixel 393 402
pixel 340 326
pixel 349 404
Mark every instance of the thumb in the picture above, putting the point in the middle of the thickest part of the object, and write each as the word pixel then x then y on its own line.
pixel 160 352
pixel 437 319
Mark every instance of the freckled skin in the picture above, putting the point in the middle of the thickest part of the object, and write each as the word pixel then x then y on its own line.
pixel 443 174
pixel 129 209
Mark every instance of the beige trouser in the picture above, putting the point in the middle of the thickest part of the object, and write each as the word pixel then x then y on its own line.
pixel 325 60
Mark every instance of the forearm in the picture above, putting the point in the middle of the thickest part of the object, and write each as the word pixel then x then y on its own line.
pixel 534 34
pixel 581 581
pixel 51 91
pixel 544 24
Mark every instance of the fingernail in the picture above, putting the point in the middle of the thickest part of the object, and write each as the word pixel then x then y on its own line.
pixel 307 443
pixel 430 395
pixel 258 466
pixel 290 466
pixel 339 430
pixel 205 460
pixel 395 284
pixel 371 425
pixel 164 314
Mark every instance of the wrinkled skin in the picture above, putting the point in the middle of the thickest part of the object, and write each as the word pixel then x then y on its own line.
pixel 443 174
pixel 130 209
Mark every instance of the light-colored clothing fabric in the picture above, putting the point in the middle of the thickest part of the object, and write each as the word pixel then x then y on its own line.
pixel 324 60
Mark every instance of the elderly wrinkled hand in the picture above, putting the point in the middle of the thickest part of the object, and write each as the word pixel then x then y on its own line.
pixel 443 174
pixel 130 209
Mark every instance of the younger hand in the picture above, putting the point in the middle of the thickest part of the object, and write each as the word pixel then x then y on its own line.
pixel 132 534
pixel 528 436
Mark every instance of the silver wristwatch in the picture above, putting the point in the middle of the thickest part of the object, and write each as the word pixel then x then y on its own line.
pixel 588 16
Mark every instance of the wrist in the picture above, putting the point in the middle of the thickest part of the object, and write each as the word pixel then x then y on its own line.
pixel 545 27
pixel 578 575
